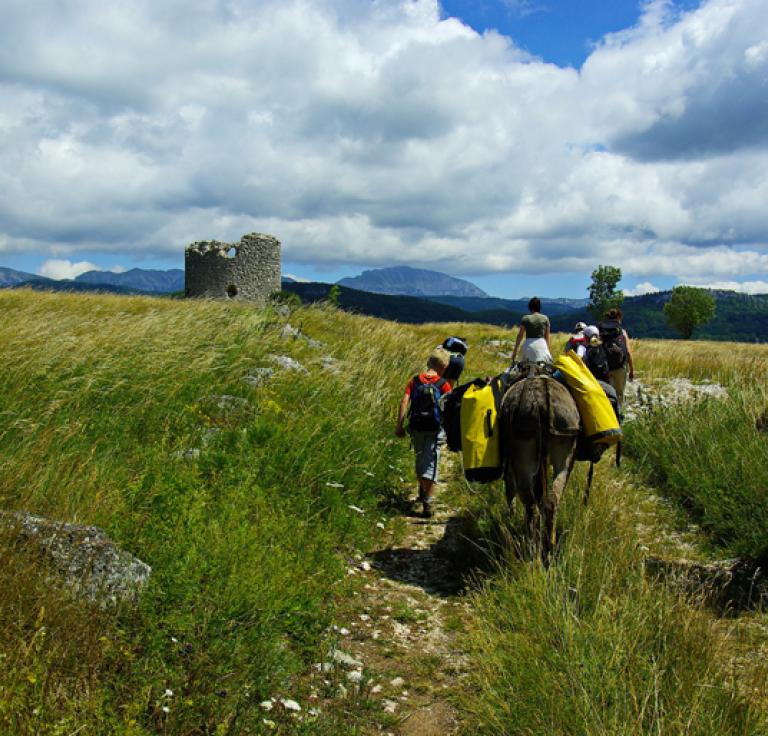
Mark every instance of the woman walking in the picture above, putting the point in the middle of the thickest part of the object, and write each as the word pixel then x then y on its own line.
pixel 534 327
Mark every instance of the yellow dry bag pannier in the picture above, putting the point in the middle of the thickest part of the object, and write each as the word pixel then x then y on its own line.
pixel 597 416
pixel 480 445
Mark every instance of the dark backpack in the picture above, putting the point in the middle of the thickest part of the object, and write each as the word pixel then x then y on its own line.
pixel 455 367
pixel 424 414
pixel 456 345
pixel 596 359
pixel 452 414
pixel 614 342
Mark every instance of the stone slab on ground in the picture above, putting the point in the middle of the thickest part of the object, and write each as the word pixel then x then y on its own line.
pixel 83 557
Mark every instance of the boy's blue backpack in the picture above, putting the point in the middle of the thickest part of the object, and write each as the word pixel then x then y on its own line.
pixel 424 413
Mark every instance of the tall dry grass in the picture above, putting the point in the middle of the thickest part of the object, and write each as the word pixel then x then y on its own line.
pixel 590 646
pixel 102 397
pixel 708 455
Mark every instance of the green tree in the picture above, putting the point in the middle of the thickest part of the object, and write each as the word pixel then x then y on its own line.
pixel 689 308
pixel 602 291
pixel 333 295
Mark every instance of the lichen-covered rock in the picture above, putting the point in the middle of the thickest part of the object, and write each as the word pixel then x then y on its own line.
pixel 640 397
pixel 259 376
pixel 287 363
pixel 84 557
pixel 289 331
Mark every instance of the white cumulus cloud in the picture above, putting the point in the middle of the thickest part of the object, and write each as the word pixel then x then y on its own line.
pixel 645 287
pixel 746 287
pixel 379 133
pixel 57 268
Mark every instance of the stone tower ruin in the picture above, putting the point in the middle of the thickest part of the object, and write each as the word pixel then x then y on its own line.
pixel 248 270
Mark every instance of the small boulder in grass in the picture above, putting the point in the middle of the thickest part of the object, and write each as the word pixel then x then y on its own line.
pixel 259 376
pixel 287 363
pixel 83 557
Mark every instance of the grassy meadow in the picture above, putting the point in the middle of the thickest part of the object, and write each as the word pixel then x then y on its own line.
pixel 707 455
pixel 102 398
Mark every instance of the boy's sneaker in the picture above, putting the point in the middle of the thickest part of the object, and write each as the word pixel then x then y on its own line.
pixel 427 510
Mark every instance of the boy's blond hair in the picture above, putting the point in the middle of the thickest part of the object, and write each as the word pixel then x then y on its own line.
pixel 438 359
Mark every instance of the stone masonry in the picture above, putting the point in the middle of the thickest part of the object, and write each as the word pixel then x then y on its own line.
pixel 248 270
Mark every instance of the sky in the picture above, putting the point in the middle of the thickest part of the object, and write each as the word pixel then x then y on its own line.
pixel 515 143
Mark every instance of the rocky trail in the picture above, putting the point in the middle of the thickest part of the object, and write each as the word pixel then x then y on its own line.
pixel 401 643
pixel 398 653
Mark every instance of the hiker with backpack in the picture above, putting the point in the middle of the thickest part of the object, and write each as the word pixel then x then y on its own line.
pixel 421 403
pixel 534 327
pixel 618 351
pixel 577 341
pixel 595 357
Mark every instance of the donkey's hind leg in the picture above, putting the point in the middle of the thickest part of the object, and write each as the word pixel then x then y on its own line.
pixel 520 480
pixel 561 457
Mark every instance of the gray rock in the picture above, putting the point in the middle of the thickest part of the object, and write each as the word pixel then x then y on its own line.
pixel 340 657
pixel 288 364
pixel 190 454
pixel 658 394
pixel 83 557
pixel 330 364
pixel 290 331
pixel 259 376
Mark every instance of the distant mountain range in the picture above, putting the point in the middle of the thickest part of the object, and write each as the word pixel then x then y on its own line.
pixel 483 304
pixel 150 280
pixel 137 280
pixel 739 317
pixel 407 281
pixel 11 277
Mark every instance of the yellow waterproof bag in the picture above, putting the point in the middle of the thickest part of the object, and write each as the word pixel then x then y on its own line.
pixel 480 445
pixel 597 416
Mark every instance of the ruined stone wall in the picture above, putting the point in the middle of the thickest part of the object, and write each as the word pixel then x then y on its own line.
pixel 248 270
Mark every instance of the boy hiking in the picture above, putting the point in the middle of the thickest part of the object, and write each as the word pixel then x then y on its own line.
pixel 421 403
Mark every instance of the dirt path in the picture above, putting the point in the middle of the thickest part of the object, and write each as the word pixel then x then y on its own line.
pixel 402 635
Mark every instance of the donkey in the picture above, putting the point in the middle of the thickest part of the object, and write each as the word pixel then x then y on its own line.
pixel 540 424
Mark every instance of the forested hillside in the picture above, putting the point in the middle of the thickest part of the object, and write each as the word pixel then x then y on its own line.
pixel 738 317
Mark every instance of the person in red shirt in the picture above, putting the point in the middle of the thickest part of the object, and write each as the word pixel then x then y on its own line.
pixel 420 403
